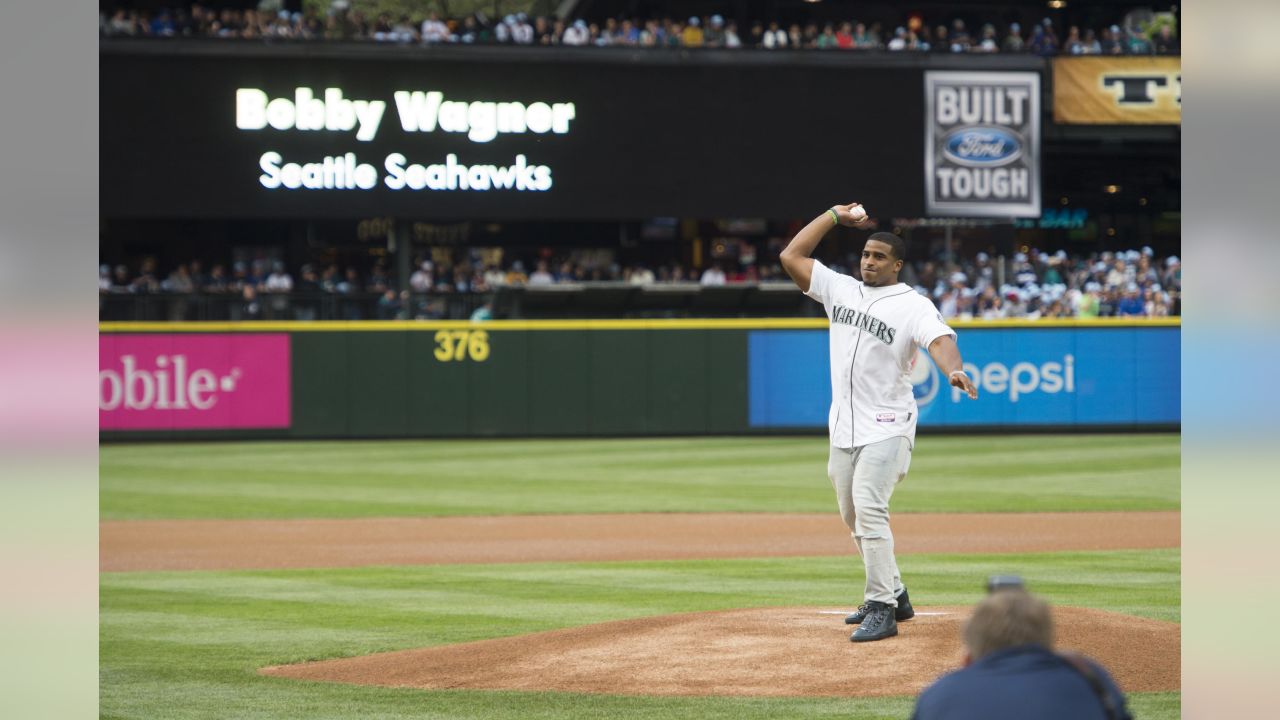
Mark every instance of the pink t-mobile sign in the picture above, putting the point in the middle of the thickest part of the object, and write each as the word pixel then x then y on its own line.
pixel 178 382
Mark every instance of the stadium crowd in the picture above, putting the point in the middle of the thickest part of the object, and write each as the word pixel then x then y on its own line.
pixel 1031 285
pixel 909 33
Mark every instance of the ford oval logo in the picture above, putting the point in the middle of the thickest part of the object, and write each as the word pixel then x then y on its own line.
pixel 982 146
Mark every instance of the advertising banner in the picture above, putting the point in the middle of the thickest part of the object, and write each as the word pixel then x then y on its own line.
pixel 189 382
pixel 1025 376
pixel 1117 90
pixel 982 144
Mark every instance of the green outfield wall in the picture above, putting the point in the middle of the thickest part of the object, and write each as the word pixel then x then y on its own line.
pixel 578 378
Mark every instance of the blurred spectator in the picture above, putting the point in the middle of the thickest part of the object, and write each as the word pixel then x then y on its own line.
pixel 1042 42
pixel 714 36
pixel 988 42
pixel 731 39
pixel 1011 671
pixel 1073 45
pixel 844 37
pixel 541 275
pixel 306 306
pixel 1013 40
pixel 1138 44
pixel 1131 304
pixel 576 34
pixel 692 36
pixel 1111 44
pixel 434 30
pixel 250 306
pixel 422 279
pixel 960 40
pixel 388 306
pixel 713 275
pixel 775 38
pixel 1090 44
pixel 1166 43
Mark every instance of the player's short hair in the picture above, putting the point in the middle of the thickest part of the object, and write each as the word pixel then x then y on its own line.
pixel 1005 619
pixel 898 245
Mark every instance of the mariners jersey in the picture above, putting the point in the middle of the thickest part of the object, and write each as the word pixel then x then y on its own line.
pixel 874 334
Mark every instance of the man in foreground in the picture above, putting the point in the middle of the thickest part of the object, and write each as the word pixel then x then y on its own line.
pixel 1011 671
pixel 876 323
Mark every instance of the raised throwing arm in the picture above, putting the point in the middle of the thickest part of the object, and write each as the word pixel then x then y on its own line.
pixel 796 256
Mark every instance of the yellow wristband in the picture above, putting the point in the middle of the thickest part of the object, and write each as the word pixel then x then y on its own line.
pixel 835 219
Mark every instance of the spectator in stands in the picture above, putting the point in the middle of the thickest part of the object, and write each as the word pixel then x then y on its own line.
pixel 422 279
pixel 775 38
pixel 1138 44
pixel 388 305
pixel 516 275
pixel 541 275
pixel 795 38
pixel 862 39
pixel 1166 43
pixel 279 281
pixel 731 39
pixel 713 275
pixel 576 35
pixel 1073 45
pixel 1013 42
pixel 179 281
pixel 899 41
pixel 1090 44
pixel 1131 303
pixel 1172 276
pixel 844 36
pixel 306 304
pixel 1111 44
pixel 250 307
pixel 350 283
pixel 960 40
pixel 379 280
pixel 755 36
pixel 988 43
pixel 1042 42
pixel 692 36
pixel 988 305
pixel 146 281
pixel 714 36
pixel 939 43
pixel 434 30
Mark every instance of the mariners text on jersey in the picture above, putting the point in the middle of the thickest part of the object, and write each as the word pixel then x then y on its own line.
pixel 862 321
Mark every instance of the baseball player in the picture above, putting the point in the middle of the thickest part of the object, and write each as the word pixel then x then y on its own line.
pixel 875 325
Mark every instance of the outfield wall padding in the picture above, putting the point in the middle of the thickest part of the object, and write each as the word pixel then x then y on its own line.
pixel 598 378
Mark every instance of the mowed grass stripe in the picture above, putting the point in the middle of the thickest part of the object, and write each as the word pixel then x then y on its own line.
pixel 187 645
pixel 765 474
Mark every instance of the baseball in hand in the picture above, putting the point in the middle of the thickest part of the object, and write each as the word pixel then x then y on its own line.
pixel 858 213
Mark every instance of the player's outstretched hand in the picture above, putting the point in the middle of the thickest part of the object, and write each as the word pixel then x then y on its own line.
pixel 960 379
pixel 847 218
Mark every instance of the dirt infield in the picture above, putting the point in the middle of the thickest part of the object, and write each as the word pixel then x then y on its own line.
pixel 751 652
pixel 254 544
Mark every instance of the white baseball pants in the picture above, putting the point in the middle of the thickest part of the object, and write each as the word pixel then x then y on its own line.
pixel 864 479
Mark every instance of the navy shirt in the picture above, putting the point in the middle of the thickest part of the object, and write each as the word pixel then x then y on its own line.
pixel 1015 684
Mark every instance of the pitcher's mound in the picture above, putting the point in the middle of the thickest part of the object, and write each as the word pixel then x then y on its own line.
pixel 760 652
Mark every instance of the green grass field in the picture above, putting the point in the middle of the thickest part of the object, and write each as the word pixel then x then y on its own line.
pixel 767 474
pixel 187 644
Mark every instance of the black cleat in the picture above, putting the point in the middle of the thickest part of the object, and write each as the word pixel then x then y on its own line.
pixel 877 625
pixel 904 611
